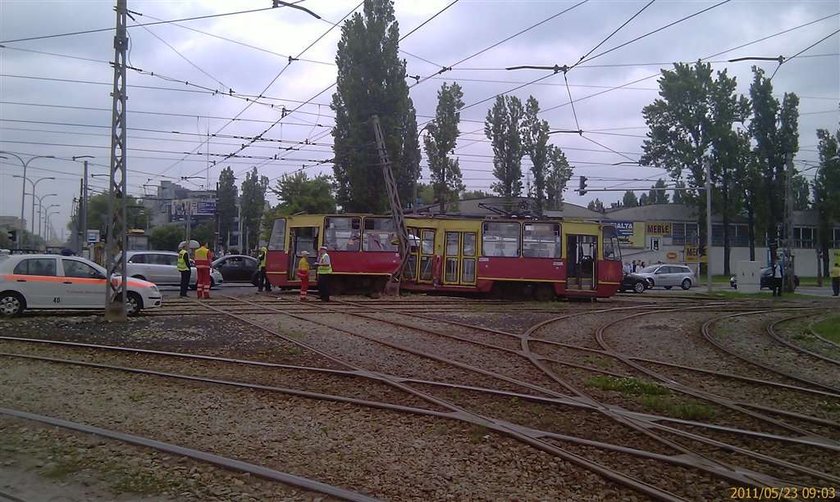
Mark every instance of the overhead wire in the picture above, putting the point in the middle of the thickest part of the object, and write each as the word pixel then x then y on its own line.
pixel 492 46
pixel 785 61
pixel 155 23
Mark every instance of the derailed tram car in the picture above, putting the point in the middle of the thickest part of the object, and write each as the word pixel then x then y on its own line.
pixel 542 259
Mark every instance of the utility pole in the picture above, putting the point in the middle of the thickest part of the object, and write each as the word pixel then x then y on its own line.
pixel 116 245
pixel 83 206
pixel 393 285
pixel 788 266
pixel 708 166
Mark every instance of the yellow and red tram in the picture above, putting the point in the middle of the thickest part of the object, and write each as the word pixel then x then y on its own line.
pixel 514 257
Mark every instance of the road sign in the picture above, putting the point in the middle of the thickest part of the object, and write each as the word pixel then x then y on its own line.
pixel 92 236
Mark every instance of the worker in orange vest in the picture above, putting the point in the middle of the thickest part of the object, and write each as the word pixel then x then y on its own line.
pixel 303 274
pixel 203 258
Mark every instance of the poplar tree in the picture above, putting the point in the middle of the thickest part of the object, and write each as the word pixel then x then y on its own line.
pixel 826 188
pixel 253 205
pixel 226 194
pixel 371 80
pixel 502 129
pixel 441 141
pixel 629 199
pixel 535 143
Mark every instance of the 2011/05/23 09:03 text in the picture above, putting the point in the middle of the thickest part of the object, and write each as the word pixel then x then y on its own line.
pixel 782 493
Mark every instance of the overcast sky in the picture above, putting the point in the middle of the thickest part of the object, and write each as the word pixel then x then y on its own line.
pixel 59 103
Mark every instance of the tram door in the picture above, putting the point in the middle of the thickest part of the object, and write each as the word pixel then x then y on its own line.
pixel 410 272
pixel 302 239
pixel 581 259
pixel 459 258
pixel 427 255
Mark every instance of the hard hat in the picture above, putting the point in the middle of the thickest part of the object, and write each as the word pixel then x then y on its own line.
pixel 322 247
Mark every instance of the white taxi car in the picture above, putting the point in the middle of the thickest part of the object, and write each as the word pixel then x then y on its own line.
pixel 48 281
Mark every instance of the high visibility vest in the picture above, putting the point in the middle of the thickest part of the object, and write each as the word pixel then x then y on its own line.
pixel 303 265
pixel 202 257
pixel 263 256
pixel 183 260
pixel 324 264
pixel 835 272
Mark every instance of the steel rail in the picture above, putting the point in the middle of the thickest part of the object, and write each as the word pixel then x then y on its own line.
pixel 548 400
pixel 717 399
pixel 778 462
pixel 817 335
pixel 678 460
pixel 771 330
pixel 708 336
pixel 714 398
pixel 708 465
pixel 227 463
pixel 501 428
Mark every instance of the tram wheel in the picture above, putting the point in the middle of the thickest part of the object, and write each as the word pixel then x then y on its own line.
pixel 543 293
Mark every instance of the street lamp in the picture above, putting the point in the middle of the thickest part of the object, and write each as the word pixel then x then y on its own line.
pixel 40 208
pixel 46 221
pixel 83 203
pixel 33 184
pixel 25 164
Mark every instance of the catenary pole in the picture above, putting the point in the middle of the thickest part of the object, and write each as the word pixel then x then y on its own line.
pixel 115 247
pixel 708 166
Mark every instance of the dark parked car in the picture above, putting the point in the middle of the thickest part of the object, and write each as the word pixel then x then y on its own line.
pixel 634 282
pixel 766 277
pixel 236 267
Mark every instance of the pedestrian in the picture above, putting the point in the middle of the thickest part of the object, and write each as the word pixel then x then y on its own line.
pixel 184 268
pixel 263 282
pixel 641 265
pixel 634 266
pixel 203 258
pixel 777 278
pixel 303 274
pixel 835 279
pixel 324 272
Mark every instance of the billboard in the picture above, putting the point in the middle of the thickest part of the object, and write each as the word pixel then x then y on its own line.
pixel 660 228
pixel 180 208
pixel 624 229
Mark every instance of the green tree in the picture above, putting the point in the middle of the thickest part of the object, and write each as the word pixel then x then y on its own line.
pixel 167 236
pixel 596 205
pixel 371 80
pixel 657 193
pixel 226 195
pixel 425 193
pixel 629 199
pixel 97 217
pixel 644 200
pixel 300 194
pixel 826 188
pixel 558 175
pixel 204 232
pixel 440 141
pixel 502 129
pixel 252 202
pixel 801 190
pixel 677 198
pixel 692 123
pixel 775 132
pixel 474 194
pixel 535 144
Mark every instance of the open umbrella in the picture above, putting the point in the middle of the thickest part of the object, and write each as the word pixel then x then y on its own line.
pixel 192 245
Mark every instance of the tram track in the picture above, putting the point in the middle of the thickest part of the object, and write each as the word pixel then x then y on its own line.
pixel 801 469
pixel 502 393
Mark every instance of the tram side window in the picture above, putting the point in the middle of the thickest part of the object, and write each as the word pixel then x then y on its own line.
pixel 541 240
pixel 277 242
pixel 379 235
pixel 611 249
pixel 500 239
pixel 341 233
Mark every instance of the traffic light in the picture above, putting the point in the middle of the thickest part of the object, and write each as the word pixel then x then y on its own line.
pixel 582 189
pixel 12 234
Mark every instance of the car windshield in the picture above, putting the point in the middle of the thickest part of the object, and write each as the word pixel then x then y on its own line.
pixel 649 270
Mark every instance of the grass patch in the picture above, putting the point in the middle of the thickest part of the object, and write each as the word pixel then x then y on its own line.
pixel 688 410
pixel 627 385
pixel 830 406
pixel 829 328
pixel 596 361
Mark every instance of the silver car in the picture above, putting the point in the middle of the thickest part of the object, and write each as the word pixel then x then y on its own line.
pixel 161 268
pixel 668 276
